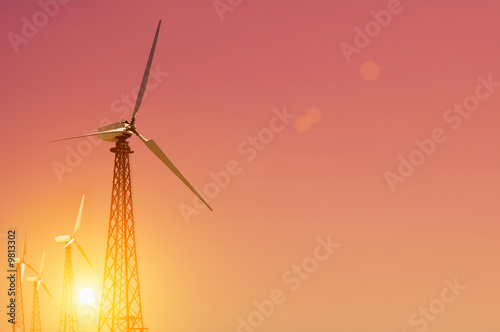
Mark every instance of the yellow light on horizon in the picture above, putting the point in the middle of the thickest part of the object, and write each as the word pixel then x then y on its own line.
pixel 87 296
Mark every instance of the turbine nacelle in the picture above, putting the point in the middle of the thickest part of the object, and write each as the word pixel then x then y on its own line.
pixel 63 238
pixel 32 279
pixel 112 132
pixel 17 260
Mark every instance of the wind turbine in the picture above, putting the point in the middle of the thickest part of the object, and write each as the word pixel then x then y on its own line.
pixel 120 131
pixel 36 325
pixel 20 268
pixel 121 308
pixel 69 316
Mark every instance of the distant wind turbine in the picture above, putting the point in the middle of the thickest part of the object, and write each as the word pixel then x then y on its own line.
pixel 69 316
pixel 20 267
pixel 36 324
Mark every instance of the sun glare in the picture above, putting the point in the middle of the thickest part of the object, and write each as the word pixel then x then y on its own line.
pixel 87 296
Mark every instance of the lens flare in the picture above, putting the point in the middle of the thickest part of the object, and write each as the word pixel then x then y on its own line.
pixel 87 296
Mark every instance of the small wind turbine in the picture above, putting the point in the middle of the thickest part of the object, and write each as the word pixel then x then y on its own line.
pixel 20 267
pixel 36 325
pixel 69 316
pixel 70 239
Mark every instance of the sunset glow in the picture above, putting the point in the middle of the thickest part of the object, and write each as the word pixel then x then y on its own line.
pixel 349 150
pixel 87 296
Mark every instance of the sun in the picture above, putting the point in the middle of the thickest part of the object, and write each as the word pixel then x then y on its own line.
pixel 87 296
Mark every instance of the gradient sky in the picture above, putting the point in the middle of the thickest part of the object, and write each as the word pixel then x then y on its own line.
pixel 224 79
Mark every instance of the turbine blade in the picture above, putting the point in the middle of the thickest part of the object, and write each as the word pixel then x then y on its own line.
pixel 69 243
pixel 31 267
pixel 24 245
pixel 38 284
pixel 41 265
pixel 79 218
pixel 91 134
pixel 84 255
pixel 159 153
pixel 145 76
pixel 23 267
pixel 46 289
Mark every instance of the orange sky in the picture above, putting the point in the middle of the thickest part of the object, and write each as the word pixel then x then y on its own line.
pixel 215 95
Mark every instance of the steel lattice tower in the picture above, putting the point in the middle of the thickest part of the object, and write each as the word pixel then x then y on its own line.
pixel 69 318
pixel 36 325
pixel 19 322
pixel 121 308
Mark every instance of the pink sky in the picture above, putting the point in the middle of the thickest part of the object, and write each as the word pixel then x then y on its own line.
pixel 226 80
